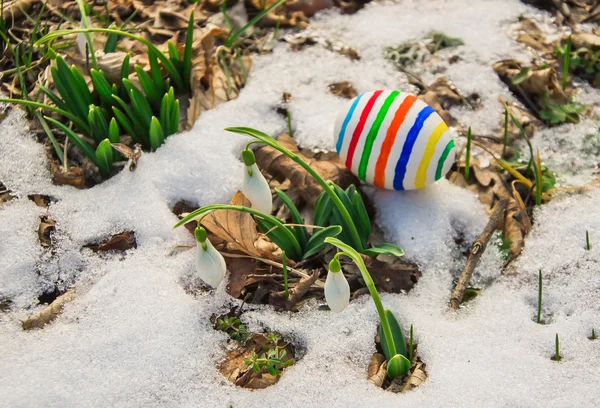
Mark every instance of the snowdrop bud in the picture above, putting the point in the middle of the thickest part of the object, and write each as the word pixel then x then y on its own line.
pixel 337 290
pixel 210 264
pixel 255 186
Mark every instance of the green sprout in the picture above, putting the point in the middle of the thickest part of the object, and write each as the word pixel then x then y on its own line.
pixel 234 328
pixel 593 337
pixel 392 338
pixel 505 143
pixel 557 356
pixel 468 155
pixel 539 308
pixel 411 345
pixel 566 63
pixel 234 35
pixel 588 246
pixel 272 357
pixel 289 123
pixel 285 276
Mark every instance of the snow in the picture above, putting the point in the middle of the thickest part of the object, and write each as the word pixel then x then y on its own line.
pixel 134 337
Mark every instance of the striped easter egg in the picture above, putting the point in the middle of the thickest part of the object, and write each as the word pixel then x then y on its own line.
pixel 393 140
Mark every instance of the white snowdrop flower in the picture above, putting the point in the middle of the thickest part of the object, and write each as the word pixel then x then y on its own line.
pixel 210 264
pixel 255 186
pixel 337 290
pixel 81 37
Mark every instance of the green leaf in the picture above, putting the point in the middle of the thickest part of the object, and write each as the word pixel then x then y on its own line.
pixel 363 222
pixel 125 68
pixel 85 148
pixel 114 132
pixel 157 75
pixel 140 128
pixel 157 135
pixel 98 124
pixel 187 52
pixel 398 366
pixel 104 153
pixel 111 43
pixel 63 80
pixel 234 35
pixel 317 240
pixel 102 87
pixel 81 87
pixel 385 248
pixel 397 334
pixel 300 231
pixel 282 236
pixel 50 135
pixel 149 89
pixel 128 126
pixel 521 76
pixel 323 208
pixel 55 99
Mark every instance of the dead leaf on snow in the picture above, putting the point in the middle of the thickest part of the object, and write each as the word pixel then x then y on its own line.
pixel 531 35
pixel 307 38
pixel 417 377
pixel 281 166
pixel 38 320
pixel 441 95
pixel 46 228
pixel 119 242
pixel 131 154
pixel 377 370
pixel 585 40
pixel 5 194
pixel 343 89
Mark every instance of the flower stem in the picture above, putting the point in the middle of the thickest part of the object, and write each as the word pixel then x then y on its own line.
pixel 355 256
pixel 268 140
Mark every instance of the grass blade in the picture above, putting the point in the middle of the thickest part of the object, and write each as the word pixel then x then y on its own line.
pixel 157 135
pixel 299 230
pixel 233 37
pixel 187 53
pixel 317 240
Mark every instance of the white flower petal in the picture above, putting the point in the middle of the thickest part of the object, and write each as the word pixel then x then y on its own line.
pixel 257 190
pixel 337 291
pixel 208 270
pixel 81 38
pixel 217 258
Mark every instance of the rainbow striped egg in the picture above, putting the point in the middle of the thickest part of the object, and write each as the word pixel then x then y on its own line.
pixel 393 140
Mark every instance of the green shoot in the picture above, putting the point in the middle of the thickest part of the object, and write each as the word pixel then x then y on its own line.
pixel 285 276
pixel 593 337
pixel 539 308
pixel 557 356
pixel 539 180
pixel 233 36
pixel 588 246
pixel 566 63
pixel 468 155
pixel 411 345
pixel 234 328
pixel 289 123
pixel 505 133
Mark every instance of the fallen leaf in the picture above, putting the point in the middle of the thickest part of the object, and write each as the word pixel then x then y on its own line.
pixel 377 370
pixel 343 89
pixel 417 377
pixel 119 242
pixel 131 154
pixel 74 177
pixel 239 269
pixel 391 277
pixel 5 194
pixel 41 200
pixel 281 166
pixel 46 228
pixel 38 320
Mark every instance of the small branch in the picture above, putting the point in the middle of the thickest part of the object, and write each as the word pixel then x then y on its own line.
pixel 476 251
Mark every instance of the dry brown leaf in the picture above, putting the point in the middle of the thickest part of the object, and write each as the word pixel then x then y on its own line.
pixel 74 177
pixel 281 166
pixel 119 242
pixel 585 40
pixel 38 320
pixel 5 194
pixel 531 35
pixel 235 227
pixel 441 95
pixel 395 277
pixel 239 269
pixel 47 227
pixel 377 370
pixel 417 377
pixel 131 154
pixel 343 89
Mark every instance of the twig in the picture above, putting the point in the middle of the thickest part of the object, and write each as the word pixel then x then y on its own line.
pixel 476 251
